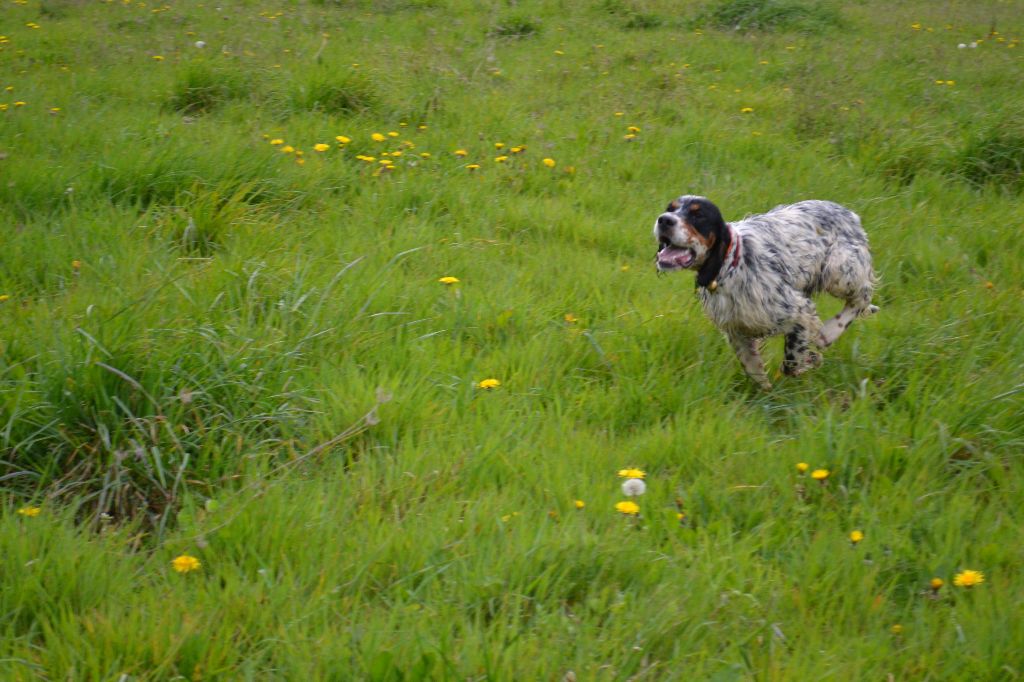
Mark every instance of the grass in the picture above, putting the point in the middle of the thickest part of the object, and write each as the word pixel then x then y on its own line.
pixel 217 348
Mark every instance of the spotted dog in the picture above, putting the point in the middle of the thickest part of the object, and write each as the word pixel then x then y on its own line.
pixel 755 277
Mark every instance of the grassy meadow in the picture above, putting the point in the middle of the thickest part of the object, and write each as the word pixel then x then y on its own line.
pixel 225 337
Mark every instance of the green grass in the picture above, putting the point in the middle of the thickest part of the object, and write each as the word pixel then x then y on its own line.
pixel 212 349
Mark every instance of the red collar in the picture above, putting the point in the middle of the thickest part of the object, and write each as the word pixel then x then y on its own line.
pixel 733 243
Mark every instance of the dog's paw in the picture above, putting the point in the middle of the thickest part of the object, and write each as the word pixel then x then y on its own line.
pixel 808 361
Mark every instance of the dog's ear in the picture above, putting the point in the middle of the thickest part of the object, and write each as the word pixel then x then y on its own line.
pixel 705 217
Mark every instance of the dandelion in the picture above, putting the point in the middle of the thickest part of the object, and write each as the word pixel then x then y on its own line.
pixel 747 110
pixel 185 564
pixel 570 318
pixel 579 504
pixel 377 137
pixel 856 536
pixel 473 166
pixel 29 511
pixel 499 145
pixel 518 149
pixel 19 103
pixel 936 584
pixel 968 578
pixel 487 384
pixel 896 629
pixel 425 155
pixel 559 52
pixel 633 487
pixel 342 139
pixel 460 152
pixel 300 161
pixel 500 159
pixel 321 147
pixel 158 57
pixel 276 141
pixel 76 264
pixel 287 149
pixel 820 474
pixel 633 129
pixel 550 163
pixel 629 137
pixel 802 467
pixel 632 473
pixel 4 297
pixel 421 127
pixel 627 507
pixel 392 134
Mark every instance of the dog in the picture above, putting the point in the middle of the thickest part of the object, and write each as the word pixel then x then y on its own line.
pixel 756 277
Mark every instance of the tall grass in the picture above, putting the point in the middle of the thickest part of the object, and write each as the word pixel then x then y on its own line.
pixel 225 338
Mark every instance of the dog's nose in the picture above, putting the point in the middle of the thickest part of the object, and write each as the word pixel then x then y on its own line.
pixel 666 221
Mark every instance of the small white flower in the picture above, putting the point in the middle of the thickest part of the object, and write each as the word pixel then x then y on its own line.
pixel 633 487
pixel 961 46
pixel 200 44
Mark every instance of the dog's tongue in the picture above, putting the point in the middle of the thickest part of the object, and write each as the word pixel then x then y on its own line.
pixel 674 257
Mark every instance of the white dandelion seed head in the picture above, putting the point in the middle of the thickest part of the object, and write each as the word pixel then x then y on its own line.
pixel 632 487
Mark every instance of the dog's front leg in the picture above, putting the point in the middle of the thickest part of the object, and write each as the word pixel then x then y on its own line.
pixel 748 350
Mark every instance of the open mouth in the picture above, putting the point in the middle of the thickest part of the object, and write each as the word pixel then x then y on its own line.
pixel 674 257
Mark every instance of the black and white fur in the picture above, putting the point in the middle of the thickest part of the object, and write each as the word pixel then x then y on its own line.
pixel 755 277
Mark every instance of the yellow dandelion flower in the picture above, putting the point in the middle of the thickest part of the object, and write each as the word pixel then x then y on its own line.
pixel 392 134
pixel 500 159
pixel 377 137
pixel 570 318
pixel 968 578
pixel 158 57
pixel 276 141
pixel 489 383
pixel 627 507
pixel 747 110
pixel 342 139
pixel 896 629
pixel 19 103
pixel 321 147
pixel 856 536
pixel 76 264
pixel 802 467
pixel 369 159
pixel 301 161
pixel 4 297
pixel 633 129
pixel 936 584
pixel 820 474
pixel 632 473
pixel 29 511
pixel 579 504
pixel 550 163
pixel 460 152
pixel 473 166
pixel 499 145
pixel 518 150
pixel 559 52
pixel 425 155
pixel 629 137
pixel 287 149
pixel 186 563
pixel 619 114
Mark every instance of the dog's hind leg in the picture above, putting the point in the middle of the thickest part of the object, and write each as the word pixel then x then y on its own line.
pixel 848 275
pixel 856 306
pixel 748 350
pixel 799 357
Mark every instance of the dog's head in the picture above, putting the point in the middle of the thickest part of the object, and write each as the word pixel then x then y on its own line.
pixel 688 233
